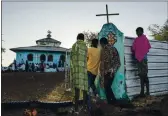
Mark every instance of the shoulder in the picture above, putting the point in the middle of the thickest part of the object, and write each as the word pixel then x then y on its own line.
pixel 134 40
pixel 74 45
pixel 89 49
pixel 114 50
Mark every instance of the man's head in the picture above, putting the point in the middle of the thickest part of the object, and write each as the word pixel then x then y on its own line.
pixel 103 41
pixel 80 36
pixel 139 31
pixel 94 43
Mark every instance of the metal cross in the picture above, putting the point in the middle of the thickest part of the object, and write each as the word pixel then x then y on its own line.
pixel 107 14
pixel 49 32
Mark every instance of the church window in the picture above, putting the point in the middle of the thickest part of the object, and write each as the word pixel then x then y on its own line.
pixel 50 58
pixel 42 57
pixel 30 57
pixel 61 60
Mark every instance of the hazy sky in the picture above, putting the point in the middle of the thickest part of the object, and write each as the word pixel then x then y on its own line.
pixel 25 22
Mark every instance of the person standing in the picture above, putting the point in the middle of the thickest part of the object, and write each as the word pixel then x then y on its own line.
pixel 109 64
pixel 93 61
pixel 78 71
pixel 33 67
pixel 27 66
pixel 140 48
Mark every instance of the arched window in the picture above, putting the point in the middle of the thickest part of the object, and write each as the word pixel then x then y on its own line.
pixel 42 57
pixel 61 60
pixel 30 57
pixel 50 58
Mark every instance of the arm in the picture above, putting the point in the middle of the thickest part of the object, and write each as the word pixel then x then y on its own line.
pixel 102 62
pixel 116 61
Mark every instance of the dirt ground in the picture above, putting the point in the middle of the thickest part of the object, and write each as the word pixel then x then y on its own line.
pixel 22 86
pixel 47 87
pixel 108 110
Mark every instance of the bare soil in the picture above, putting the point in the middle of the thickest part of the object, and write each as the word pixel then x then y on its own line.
pixel 47 87
pixel 22 86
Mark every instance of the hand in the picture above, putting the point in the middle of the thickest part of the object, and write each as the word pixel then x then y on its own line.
pixel 112 73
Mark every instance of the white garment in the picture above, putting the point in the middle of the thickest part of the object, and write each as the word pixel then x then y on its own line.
pixel 13 67
pixel 23 67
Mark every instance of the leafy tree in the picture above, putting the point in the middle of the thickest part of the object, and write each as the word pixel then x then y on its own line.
pixel 89 36
pixel 159 32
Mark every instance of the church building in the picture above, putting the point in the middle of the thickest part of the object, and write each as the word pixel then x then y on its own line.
pixel 46 50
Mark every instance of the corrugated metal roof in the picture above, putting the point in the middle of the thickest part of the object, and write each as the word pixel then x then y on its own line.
pixel 41 48
pixel 48 40
pixel 157 71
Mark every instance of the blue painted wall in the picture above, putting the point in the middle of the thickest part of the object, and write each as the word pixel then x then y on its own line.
pixel 36 56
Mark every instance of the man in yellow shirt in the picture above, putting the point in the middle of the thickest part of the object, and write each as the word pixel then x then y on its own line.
pixel 93 60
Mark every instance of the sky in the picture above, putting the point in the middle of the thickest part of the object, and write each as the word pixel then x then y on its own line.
pixel 25 22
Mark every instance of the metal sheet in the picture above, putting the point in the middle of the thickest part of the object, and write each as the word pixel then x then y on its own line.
pixel 153 88
pixel 151 73
pixel 157 65
pixel 151 66
pixel 152 51
pixel 154 44
pixel 151 59
pixel 152 81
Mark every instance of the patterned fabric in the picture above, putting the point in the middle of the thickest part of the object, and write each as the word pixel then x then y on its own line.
pixel 142 67
pixel 78 65
pixel 109 61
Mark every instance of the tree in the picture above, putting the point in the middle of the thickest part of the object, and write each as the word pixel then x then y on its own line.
pixel 159 32
pixel 89 36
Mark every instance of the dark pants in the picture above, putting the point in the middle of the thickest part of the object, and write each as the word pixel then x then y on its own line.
pixel 143 72
pixel 85 96
pixel 108 80
pixel 144 81
pixel 91 79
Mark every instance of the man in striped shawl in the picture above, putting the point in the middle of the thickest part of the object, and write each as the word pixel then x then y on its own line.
pixel 78 71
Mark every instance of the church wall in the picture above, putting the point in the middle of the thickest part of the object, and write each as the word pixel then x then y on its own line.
pixel 36 56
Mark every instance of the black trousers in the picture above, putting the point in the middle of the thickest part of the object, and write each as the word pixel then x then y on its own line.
pixel 91 79
pixel 85 98
pixel 144 81
pixel 108 80
pixel 143 74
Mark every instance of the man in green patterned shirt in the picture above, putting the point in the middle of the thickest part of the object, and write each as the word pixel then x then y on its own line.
pixel 78 71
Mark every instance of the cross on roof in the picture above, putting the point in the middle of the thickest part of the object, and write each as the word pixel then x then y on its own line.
pixel 107 14
pixel 49 32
